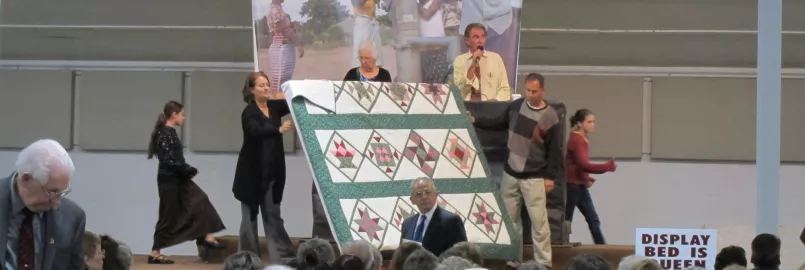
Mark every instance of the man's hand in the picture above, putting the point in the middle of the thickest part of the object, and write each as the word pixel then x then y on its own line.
pixel 477 54
pixel 472 118
pixel 287 125
pixel 548 185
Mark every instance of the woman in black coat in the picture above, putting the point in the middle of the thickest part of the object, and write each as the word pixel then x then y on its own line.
pixel 260 173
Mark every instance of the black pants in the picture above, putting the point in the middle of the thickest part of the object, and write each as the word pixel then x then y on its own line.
pixel 579 196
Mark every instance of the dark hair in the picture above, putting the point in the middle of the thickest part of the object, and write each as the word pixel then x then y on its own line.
pixel 348 262
pixel 730 255
pixel 402 253
pixel 111 261
pixel 587 262
pixel 250 83
pixel 535 76
pixel 579 116
pixel 167 111
pixel 472 26
pixel 766 251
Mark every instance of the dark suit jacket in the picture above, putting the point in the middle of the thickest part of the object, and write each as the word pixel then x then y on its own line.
pixel 445 229
pixel 64 232
pixel 261 162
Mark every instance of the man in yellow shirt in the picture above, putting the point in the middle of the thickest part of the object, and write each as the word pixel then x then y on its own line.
pixel 480 74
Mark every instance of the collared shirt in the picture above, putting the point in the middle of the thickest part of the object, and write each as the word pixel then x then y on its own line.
pixel 16 219
pixel 495 14
pixel 429 216
pixel 494 81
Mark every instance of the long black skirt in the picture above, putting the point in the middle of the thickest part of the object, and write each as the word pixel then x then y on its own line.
pixel 185 212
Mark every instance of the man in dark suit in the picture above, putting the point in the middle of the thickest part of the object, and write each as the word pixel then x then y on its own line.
pixel 434 228
pixel 39 229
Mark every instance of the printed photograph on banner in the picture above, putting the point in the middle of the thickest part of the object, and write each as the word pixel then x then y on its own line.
pixel 678 248
pixel 401 40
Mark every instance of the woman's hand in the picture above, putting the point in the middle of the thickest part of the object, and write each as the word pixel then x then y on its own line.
pixel 287 125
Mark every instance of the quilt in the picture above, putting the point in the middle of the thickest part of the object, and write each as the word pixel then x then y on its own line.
pixel 365 143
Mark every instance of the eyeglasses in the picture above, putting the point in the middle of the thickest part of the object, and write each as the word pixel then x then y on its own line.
pixel 55 194
pixel 423 193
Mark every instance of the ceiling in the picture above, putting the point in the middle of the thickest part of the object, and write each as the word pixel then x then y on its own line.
pixel 219 31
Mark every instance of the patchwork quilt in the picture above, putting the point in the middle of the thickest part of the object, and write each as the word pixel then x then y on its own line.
pixel 366 142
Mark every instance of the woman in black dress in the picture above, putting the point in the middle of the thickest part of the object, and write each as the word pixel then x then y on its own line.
pixel 368 71
pixel 260 174
pixel 185 212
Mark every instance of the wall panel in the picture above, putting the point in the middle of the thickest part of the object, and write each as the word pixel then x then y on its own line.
pixel 792 117
pixel 35 104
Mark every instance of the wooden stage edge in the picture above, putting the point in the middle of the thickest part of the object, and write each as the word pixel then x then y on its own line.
pixel 561 253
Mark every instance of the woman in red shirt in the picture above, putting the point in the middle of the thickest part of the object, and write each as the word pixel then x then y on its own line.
pixel 579 168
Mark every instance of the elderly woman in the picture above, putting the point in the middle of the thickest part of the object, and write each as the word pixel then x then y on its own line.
pixel 316 253
pixel 119 254
pixel 368 71
pixel 243 260
pixel 364 251
pixel 93 254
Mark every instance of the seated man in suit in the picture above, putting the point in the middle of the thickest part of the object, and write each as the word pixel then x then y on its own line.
pixel 435 228
pixel 34 232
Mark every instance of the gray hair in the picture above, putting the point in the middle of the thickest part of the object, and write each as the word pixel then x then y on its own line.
pixel 315 252
pixel 278 267
pixel 421 260
pixel 377 259
pixel 466 250
pixel 243 260
pixel 634 262
pixel 361 249
pixel 532 265
pixel 456 263
pixel 124 254
pixel 587 262
pixel 368 45
pixel 42 158
pixel 422 180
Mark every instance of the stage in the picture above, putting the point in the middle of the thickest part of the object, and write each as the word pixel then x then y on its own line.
pixel 561 254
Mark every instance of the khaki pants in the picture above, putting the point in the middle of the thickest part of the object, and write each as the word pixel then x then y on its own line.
pixel 533 191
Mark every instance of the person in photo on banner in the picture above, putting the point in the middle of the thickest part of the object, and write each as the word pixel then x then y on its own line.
pixel 368 70
pixel 434 228
pixel 535 161
pixel 502 26
pixel 185 211
pixel 259 182
pixel 365 28
pixel 40 228
pixel 480 74
pixel 286 45
pixel 578 169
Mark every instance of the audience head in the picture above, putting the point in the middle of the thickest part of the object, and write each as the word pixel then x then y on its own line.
pixel 475 36
pixel 117 255
pixel 421 260
pixel 466 250
pixel 766 251
pixel 738 267
pixel 377 259
pixel 243 260
pixel 172 114
pixel 277 266
pixel 730 255
pixel 456 263
pixel 256 88
pixel 348 262
pixel 43 175
pixel 634 262
pixel 361 249
pixel 583 120
pixel 424 194
pixel 367 55
pixel 315 253
pixel 93 253
pixel 402 253
pixel 587 262
pixel 532 265
pixel 534 88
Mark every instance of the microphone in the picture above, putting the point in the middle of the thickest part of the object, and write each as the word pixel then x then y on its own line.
pixel 481 48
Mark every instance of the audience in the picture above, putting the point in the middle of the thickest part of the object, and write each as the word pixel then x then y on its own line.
pixel 402 253
pixel 587 262
pixel 93 253
pixel 348 262
pixel 278 267
pixel 244 260
pixel 117 255
pixel 634 262
pixel 363 250
pixel 738 267
pixel 456 263
pixel 421 260
pixel 532 265
pixel 466 250
pixel 315 254
pixel 731 255
pixel 766 252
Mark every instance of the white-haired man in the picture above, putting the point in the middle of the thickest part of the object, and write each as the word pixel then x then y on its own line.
pixel 39 228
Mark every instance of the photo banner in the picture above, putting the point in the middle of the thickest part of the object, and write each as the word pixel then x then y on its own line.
pixel 416 41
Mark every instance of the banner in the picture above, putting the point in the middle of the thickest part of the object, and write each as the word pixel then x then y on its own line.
pixel 416 41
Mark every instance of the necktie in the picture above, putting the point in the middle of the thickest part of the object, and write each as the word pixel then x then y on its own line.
pixel 25 252
pixel 420 229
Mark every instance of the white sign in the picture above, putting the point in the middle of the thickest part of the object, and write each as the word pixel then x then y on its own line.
pixel 678 248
